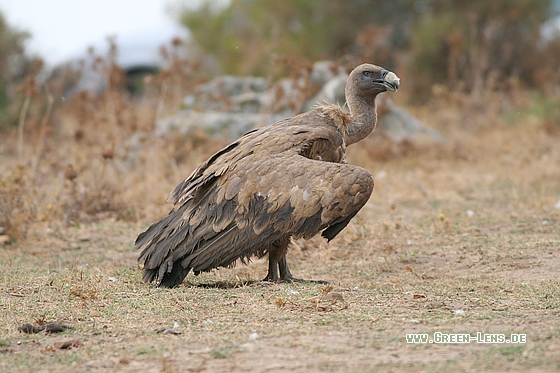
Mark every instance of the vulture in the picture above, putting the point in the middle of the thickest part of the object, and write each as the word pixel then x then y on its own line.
pixel 287 180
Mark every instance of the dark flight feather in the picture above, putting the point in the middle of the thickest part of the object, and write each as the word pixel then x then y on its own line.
pixel 288 179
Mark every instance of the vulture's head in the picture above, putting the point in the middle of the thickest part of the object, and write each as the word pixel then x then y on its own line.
pixel 370 80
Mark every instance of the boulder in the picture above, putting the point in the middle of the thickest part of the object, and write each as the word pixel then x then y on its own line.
pixel 225 125
pixel 229 106
pixel 399 125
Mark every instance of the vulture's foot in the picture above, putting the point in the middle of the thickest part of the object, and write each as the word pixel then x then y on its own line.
pixel 285 275
pixel 281 279
pixel 287 280
pixel 292 279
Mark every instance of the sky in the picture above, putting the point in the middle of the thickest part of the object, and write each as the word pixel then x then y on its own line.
pixel 62 29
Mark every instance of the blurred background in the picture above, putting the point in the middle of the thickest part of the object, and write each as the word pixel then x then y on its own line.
pixel 106 105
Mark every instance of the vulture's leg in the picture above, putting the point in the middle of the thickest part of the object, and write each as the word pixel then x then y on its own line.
pixel 276 254
pixel 272 269
pixel 286 276
pixel 277 261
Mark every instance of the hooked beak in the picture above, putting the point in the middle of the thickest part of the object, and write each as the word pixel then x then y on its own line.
pixel 390 81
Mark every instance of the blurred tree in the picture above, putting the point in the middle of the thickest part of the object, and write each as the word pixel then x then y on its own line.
pixel 14 65
pixel 468 43
pixel 246 34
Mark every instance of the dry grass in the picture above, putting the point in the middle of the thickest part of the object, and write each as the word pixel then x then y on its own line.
pixel 411 258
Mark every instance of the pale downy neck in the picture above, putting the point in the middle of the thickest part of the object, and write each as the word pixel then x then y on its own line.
pixel 364 116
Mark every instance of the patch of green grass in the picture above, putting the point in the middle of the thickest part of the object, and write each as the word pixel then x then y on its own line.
pixel 511 350
pixel 225 352
pixel 545 108
pixel 328 350
pixel 145 350
pixel 68 357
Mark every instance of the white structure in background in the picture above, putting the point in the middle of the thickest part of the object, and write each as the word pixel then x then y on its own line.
pixel 138 54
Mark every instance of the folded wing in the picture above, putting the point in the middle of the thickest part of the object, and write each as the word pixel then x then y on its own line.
pixel 236 212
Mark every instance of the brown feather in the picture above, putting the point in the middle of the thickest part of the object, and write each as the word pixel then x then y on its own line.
pixel 288 179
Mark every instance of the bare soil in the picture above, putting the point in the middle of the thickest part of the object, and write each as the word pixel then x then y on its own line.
pixel 461 237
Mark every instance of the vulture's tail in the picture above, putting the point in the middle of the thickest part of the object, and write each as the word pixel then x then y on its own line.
pixel 156 244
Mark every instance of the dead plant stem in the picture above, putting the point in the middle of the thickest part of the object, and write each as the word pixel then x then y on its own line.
pixel 21 124
pixel 44 127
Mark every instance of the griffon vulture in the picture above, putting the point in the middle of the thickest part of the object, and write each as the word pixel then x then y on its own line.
pixel 287 179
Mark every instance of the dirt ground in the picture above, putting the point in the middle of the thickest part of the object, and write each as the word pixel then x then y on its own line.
pixel 457 238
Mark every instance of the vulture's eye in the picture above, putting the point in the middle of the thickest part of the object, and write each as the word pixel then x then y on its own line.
pixel 367 73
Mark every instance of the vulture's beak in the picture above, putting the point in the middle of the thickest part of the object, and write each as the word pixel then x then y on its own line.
pixel 390 80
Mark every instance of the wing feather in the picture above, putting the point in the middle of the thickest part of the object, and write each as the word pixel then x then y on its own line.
pixel 251 194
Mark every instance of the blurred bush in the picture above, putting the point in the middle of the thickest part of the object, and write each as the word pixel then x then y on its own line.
pixel 245 35
pixel 469 44
pixel 464 44
pixel 15 65
pixel 92 154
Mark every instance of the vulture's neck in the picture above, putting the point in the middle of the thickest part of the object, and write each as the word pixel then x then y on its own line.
pixel 363 117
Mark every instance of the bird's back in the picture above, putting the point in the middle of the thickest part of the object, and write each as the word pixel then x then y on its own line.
pixel 275 182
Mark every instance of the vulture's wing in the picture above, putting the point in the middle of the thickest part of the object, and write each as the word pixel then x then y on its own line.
pixel 271 184
pixel 227 218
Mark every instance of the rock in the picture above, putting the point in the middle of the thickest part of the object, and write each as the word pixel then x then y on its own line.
pixel 48 328
pixel 229 94
pixel 67 344
pixel 4 238
pixel 332 91
pixel 399 125
pixel 225 125
pixel 322 72
pixel 229 106
pixel 226 107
